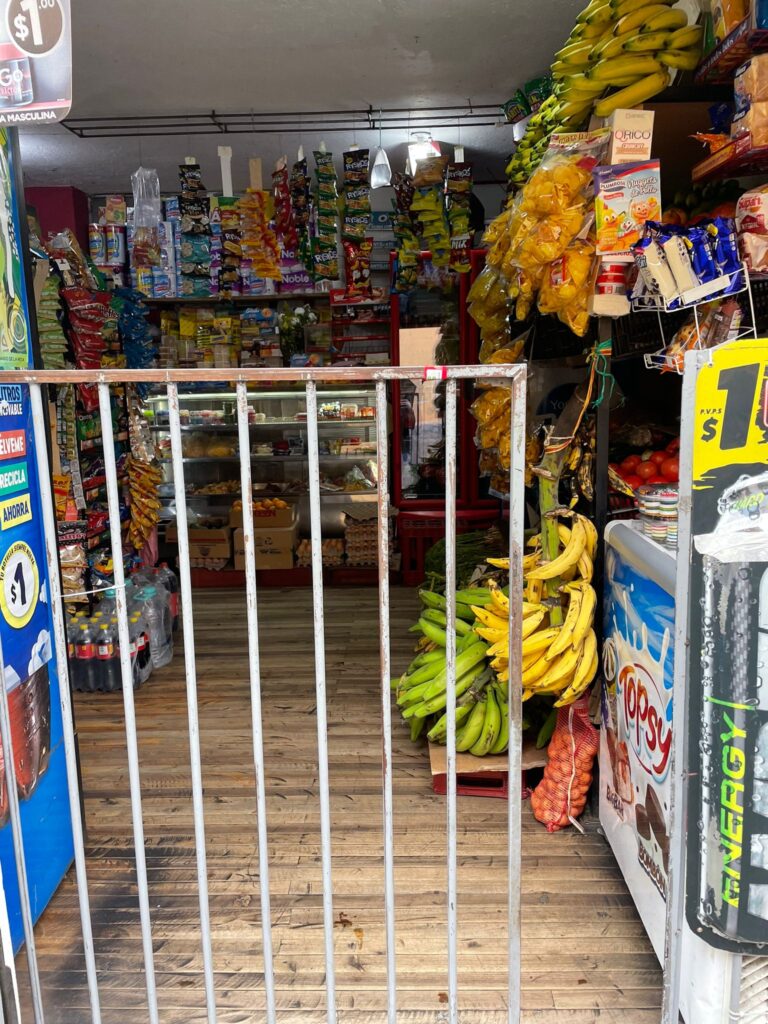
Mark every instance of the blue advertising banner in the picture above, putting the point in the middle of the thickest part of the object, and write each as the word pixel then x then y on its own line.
pixel 30 676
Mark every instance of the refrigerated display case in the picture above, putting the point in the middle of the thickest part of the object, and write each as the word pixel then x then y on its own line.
pixel 430 328
pixel 279 460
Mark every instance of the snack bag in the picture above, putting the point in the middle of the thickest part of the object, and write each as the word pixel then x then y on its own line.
pixel 752 228
pixel 627 195
pixel 357 263
pixel 560 797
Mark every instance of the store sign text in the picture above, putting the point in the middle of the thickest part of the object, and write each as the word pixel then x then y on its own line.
pixel 732 808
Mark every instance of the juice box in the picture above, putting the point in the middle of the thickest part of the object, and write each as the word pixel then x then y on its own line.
pixel 626 196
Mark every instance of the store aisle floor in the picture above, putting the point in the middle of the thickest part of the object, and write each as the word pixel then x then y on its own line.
pixel 585 954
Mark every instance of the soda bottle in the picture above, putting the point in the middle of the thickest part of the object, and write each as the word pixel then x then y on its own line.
pixel 108 665
pixel 73 627
pixel 29 709
pixel 85 653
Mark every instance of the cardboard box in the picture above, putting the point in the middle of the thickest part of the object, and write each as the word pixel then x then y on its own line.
pixel 268 519
pixel 205 541
pixel 631 136
pixel 274 547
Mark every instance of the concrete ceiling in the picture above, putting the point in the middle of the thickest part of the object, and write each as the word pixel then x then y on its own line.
pixel 188 56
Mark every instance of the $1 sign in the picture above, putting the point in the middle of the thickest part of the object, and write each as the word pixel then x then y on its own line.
pixel 36 26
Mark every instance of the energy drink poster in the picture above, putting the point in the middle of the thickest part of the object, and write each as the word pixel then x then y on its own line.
pixel 727 871
pixel 35 61
pixel 30 676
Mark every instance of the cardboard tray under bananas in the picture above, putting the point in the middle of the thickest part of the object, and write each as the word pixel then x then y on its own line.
pixel 467 763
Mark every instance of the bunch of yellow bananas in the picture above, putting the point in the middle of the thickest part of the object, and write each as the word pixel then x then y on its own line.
pixel 624 45
pixel 558 659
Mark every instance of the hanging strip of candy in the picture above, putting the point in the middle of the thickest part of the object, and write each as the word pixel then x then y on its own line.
pixel 144 475
pixel 357 195
pixel 406 231
pixel 195 242
pixel 230 255
pixel 139 349
pixel 458 189
pixel 326 256
pixel 261 252
pixel 300 204
pixel 285 225
pixel 427 206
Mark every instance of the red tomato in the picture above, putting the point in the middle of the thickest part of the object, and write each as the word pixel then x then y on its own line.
pixel 646 470
pixel 633 481
pixel 658 457
pixel 630 463
pixel 674 446
pixel 656 480
pixel 670 468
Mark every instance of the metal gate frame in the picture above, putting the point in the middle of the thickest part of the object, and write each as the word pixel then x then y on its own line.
pixel 515 378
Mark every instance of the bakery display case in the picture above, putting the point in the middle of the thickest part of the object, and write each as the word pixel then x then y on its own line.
pixel 279 459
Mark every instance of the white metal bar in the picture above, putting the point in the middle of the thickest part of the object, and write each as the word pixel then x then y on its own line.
pixel 514 700
pixel 675 903
pixel 322 725
pixel 65 696
pixel 450 707
pixel 254 664
pixel 190 666
pixel 382 477
pixel 131 741
pixel 18 848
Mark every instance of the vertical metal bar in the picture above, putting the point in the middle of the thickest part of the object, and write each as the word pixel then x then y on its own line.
pixel 190 667
pixel 382 476
pixel 515 705
pixel 65 697
pixel 450 707
pixel 322 725
pixel 674 918
pixel 254 665
pixel 18 848
pixel 131 742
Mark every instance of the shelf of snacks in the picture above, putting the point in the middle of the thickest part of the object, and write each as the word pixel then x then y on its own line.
pixel 223 300
pixel 738 46
pixel 736 159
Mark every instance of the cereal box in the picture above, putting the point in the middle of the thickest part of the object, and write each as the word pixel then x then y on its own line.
pixel 626 196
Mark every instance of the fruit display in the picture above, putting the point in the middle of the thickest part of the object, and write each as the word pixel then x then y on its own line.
pixel 620 53
pixel 263 505
pixel 660 466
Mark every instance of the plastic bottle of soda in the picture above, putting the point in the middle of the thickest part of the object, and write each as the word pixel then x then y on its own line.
pixel 140 640
pixel 107 655
pixel 170 581
pixel 29 709
pixel 85 652
pixel 73 628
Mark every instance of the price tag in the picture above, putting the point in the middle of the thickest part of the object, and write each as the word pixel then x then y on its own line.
pixel 731 422
pixel 36 26
pixel 19 585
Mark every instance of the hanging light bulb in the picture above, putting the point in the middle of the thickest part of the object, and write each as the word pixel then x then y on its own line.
pixel 381 172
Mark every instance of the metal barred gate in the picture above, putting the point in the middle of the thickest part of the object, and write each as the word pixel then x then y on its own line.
pixel 513 377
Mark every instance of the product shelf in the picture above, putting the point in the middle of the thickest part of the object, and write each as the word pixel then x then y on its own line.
pixel 736 159
pixel 719 66
pixel 226 428
pixel 207 459
pixel 220 300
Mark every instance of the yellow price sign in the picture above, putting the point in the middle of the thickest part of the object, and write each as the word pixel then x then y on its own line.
pixel 731 417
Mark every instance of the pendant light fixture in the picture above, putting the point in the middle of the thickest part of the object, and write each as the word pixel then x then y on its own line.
pixel 381 172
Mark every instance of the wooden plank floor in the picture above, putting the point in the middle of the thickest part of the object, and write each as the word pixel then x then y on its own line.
pixel 585 954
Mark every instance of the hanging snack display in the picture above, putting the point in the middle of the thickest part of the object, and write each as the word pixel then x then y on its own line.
pixel 231 247
pixel 53 343
pixel 406 230
pixel 458 189
pixel 259 246
pixel 144 477
pixel 195 244
pixel 138 347
pixel 357 267
pixel 301 206
pixel 326 256
pixel 356 195
pixel 285 227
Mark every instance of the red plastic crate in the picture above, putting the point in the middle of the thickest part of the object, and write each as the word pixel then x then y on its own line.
pixel 419 530
pixel 493 784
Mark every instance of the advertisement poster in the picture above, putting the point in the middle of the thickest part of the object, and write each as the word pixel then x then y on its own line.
pixel 727 871
pixel 637 731
pixel 35 61
pixel 30 676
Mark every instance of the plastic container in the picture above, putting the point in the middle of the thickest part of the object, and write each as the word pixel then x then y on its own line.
pixel 157 613
pixel 108 658
pixel 29 709
pixel 170 581
pixel 140 642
